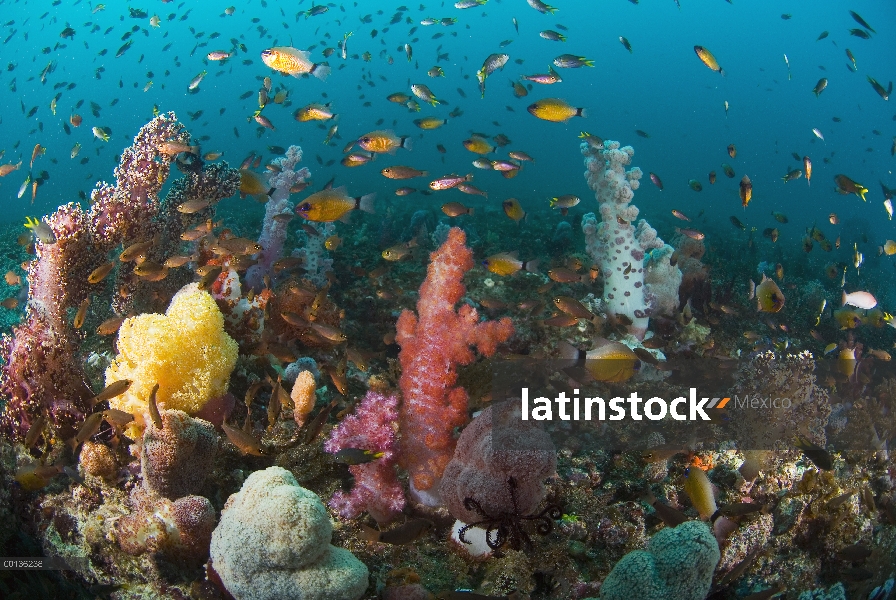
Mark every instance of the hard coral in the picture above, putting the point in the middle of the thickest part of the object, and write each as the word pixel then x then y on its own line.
pixel 677 565
pixel 179 530
pixel 176 457
pixel 273 542
pixel 185 351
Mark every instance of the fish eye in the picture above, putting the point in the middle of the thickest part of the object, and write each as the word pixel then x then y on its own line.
pixel 365 139
pixel 305 206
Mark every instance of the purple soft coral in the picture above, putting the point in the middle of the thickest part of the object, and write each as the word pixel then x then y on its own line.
pixel 377 489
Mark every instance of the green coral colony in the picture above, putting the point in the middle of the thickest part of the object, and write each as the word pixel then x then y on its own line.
pixel 319 395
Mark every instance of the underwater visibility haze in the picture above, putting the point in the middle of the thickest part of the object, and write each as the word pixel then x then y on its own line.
pixel 401 301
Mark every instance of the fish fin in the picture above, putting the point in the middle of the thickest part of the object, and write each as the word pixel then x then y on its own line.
pixel 530 265
pixel 567 351
pixel 405 141
pixel 369 534
pixel 581 112
pixel 365 203
pixel 321 71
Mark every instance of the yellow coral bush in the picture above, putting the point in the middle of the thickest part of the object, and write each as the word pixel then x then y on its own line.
pixel 186 351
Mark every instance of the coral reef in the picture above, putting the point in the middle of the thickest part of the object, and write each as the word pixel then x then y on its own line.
pixel 792 377
pixel 180 530
pixel 495 447
pixel 616 244
pixel 273 542
pixel 273 230
pixel 185 351
pixel 41 374
pixel 372 427
pixel 176 457
pixel 433 343
pixel 677 565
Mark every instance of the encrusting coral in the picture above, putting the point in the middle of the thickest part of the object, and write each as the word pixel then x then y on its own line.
pixel 273 543
pixel 677 565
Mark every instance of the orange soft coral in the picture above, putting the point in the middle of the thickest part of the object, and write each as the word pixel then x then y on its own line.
pixel 433 344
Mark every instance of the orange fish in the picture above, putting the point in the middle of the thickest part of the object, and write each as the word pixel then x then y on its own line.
pixel 294 62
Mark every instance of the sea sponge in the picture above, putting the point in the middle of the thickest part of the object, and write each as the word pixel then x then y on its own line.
pixel 273 543
pixel 176 457
pixel 677 565
pixel 185 351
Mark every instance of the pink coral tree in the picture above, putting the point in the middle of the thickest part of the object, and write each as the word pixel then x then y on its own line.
pixel 371 427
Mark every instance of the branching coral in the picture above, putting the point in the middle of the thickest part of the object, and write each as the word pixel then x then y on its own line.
pixel 41 374
pixel 617 243
pixel 372 427
pixel 433 343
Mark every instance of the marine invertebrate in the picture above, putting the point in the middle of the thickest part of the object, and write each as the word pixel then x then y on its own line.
pixel 180 530
pixel 790 377
pixel 98 460
pixel 616 243
pixel 507 527
pixel 273 230
pixel 41 373
pixel 434 342
pixel 371 427
pixel 677 565
pixel 303 396
pixel 496 447
pixel 176 457
pixel 185 351
pixel 273 542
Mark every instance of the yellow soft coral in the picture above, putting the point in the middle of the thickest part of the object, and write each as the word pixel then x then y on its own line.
pixel 185 351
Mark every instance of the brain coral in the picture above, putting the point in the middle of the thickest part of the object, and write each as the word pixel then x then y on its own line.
pixel 273 542
pixel 677 565
pixel 185 351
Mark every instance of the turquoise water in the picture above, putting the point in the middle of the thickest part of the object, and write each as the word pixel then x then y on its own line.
pixel 661 88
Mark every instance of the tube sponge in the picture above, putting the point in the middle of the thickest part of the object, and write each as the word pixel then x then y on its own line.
pixel 273 543
pixel 185 351
pixel 677 565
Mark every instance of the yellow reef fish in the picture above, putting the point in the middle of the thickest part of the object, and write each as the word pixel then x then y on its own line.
pixel 314 112
pixel 251 184
pixel 607 361
pixel 384 141
pixel 293 62
pixel 555 110
pixel 699 490
pixel 513 209
pixel 330 205
pixel 746 191
pixel 847 186
pixel 478 145
pixel 506 263
pixel 430 122
pixel 708 59
pixel 769 297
